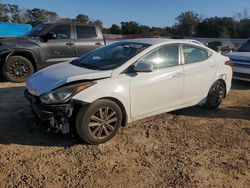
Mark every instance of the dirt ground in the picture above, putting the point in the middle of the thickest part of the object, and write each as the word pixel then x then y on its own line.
pixel 193 147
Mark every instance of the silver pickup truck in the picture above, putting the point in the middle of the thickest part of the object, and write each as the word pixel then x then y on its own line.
pixel 241 59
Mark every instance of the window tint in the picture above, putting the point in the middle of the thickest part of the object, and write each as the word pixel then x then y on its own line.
pixel 193 54
pixel 162 57
pixel 245 47
pixel 85 32
pixel 61 31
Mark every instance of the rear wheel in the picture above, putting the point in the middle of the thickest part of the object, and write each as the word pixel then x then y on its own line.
pixel 99 122
pixel 215 95
pixel 17 69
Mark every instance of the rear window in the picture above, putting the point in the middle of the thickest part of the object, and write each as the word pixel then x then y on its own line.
pixel 85 32
pixel 193 54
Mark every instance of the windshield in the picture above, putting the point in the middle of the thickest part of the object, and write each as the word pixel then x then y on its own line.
pixel 111 56
pixel 35 31
pixel 245 47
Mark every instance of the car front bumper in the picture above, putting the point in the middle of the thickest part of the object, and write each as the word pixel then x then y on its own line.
pixel 57 115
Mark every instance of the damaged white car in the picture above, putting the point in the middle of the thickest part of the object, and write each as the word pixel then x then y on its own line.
pixel 126 81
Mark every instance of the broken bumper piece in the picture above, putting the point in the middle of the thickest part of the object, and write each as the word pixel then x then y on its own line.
pixel 57 115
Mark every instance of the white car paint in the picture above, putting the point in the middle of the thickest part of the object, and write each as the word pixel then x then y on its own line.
pixel 141 94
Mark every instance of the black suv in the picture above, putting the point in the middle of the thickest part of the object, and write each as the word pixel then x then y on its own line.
pixel 46 44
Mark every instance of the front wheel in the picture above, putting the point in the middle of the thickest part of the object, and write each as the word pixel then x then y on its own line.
pixel 99 122
pixel 17 69
pixel 215 95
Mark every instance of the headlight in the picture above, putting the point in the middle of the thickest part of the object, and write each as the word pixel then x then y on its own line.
pixel 63 94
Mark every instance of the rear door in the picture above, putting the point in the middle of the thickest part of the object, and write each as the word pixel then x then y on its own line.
pixel 62 48
pixel 199 71
pixel 87 38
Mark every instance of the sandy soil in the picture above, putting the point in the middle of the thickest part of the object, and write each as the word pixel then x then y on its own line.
pixel 193 147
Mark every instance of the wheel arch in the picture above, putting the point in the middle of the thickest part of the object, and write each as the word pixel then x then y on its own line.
pixel 24 53
pixel 121 106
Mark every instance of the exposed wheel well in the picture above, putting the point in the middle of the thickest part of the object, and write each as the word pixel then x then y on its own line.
pixel 25 54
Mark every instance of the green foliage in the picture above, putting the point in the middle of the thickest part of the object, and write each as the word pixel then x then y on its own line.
pixel 130 27
pixel 115 29
pixel 82 18
pixel 4 10
pixel 187 23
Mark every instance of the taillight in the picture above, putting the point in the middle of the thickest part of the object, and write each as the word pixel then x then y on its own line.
pixel 229 63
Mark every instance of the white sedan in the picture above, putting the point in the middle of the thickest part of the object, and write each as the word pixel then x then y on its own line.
pixel 126 81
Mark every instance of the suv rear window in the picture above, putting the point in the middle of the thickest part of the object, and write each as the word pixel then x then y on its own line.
pixel 85 32
pixel 245 47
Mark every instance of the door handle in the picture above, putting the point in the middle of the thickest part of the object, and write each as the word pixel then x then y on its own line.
pixel 98 43
pixel 69 43
pixel 178 75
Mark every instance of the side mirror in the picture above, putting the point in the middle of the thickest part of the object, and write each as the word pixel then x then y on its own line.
pixel 49 36
pixel 143 67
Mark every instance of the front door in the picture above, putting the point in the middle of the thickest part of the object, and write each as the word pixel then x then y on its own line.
pixel 157 91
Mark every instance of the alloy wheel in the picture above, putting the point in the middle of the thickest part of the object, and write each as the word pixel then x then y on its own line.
pixel 19 70
pixel 102 123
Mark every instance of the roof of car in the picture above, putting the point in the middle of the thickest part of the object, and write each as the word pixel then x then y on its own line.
pixel 153 41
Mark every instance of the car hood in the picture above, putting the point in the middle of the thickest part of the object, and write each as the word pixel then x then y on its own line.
pixel 55 76
pixel 11 42
pixel 245 56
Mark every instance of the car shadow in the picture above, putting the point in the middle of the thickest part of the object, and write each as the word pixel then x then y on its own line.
pixel 19 126
pixel 240 85
pixel 231 112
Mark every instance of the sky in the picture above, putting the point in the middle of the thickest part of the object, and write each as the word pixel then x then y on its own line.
pixel 147 12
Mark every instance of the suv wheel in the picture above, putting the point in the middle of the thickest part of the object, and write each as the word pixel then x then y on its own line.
pixel 99 122
pixel 215 95
pixel 17 69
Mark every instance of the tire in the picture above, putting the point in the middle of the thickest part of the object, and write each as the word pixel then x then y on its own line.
pixel 95 128
pixel 215 95
pixel 17 69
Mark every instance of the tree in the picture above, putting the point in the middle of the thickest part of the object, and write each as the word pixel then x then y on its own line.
pixel 144 29
pixel 187 23
pixel 37 16
pixel 52 16
pixel 216 27
pixel 82 18
pixel 15 12
pixel 98 23
pixel 115 29
pixel 4 10
pixel 130 27
pixel 244 28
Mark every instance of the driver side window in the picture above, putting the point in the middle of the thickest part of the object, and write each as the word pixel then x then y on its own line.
pixel 61 31
pixel 166 56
